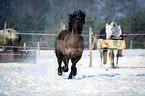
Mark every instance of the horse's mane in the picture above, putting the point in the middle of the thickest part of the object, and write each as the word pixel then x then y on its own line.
pixel 11 30
pixel 80 15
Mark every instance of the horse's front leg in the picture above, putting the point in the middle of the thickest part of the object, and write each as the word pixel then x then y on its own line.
pixel 59 56
pixel 14 47
pixel 73 67
pixel 105 55
pixel 117 58
pixel 111 54
pixel 65 60
pixel 101 55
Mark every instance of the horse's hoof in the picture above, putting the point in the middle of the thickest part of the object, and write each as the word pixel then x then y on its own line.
pixel 74 73
pixel 59 73
pixel 113 67
pixel 70 77
pixel 65 69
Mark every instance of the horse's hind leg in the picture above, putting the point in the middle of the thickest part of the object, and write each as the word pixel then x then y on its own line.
pixel 19 43
pixel 73 67
pixel 118 54
pixel 59 56
pixel 111 54
pixel 105 55
pixel 101 55
pixel 65 60
pixel 13 45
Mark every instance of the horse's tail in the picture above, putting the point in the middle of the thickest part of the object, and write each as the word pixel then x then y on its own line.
pixel 19 43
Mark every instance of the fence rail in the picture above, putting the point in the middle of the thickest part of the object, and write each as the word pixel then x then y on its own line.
pixel 42 47
pixel 43 34
pixel 35 46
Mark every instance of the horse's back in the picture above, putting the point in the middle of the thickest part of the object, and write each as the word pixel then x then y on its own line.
pixel 9 33
pixel 62 34
pixel 102 33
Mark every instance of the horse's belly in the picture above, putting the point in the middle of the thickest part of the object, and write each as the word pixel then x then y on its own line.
pixel 3 42
pixel 73 52
pixel 69 51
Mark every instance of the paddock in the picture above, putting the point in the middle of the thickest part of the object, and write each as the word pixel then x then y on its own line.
pixel 42 79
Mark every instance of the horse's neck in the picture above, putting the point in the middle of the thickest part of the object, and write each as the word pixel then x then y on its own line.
pixel 74 35
pixel 117 31
pixel 1 31
pixel 72 39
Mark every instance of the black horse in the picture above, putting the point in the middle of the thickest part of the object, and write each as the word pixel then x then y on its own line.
pixel 69 43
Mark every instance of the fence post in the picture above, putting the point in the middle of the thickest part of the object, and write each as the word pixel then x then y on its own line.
pixel 5 25
pixel 94 41
pixel 131 44
pixel 90 45
pixel 25 46
pixel 38 45
pixel 62 26
pixel 144 42
pixel 3 48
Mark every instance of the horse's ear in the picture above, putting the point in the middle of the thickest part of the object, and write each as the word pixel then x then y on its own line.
pixel 84 16
pixel 121 26
pixel 8 30
pixel 106 23
pixel 84 13
pixel 112 23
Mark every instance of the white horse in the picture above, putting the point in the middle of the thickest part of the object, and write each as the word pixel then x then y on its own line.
pixel 111 31
pixel 10 37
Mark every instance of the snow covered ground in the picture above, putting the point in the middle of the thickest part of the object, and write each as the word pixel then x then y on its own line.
pixel 41 79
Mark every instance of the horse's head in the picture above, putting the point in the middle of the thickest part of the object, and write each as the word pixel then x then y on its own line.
pixel 10 33
pixel 10 30
pixel 109 28
pixel 76 21
pixel 112 29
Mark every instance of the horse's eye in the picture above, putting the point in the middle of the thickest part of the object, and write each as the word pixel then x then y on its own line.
pixel 9 31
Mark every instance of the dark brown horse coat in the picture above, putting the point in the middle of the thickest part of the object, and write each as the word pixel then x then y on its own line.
pixel 69 43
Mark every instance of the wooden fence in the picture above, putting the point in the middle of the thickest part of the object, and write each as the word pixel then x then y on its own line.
pixel 91 41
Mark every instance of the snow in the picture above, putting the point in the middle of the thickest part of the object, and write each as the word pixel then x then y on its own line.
pixel 41 79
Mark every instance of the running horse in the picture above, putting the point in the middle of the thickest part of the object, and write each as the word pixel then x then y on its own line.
pixel 69 43
pixel 111 38
pixel 10 38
